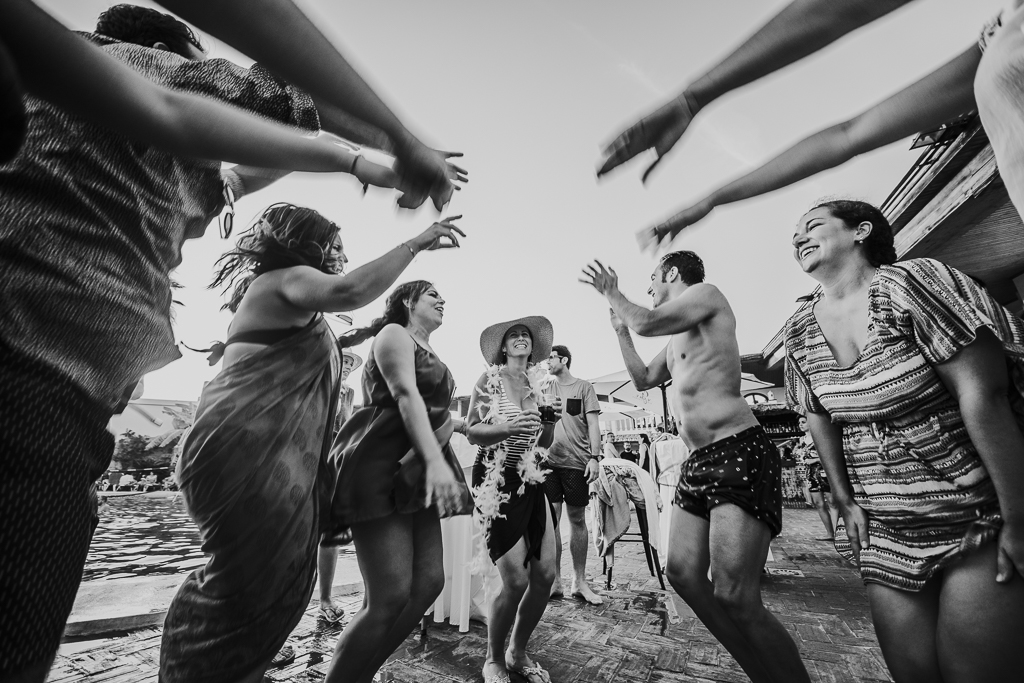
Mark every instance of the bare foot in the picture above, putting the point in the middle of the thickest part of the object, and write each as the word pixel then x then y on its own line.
pixel 556 590
pixel 583 591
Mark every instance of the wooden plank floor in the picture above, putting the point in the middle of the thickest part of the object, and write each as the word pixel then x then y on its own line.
pixel 640 634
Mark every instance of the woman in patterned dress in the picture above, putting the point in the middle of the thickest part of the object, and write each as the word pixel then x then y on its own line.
pixel 521 539
pixel 254 471
pixel 911 376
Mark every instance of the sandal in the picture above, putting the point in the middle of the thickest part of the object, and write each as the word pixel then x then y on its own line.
pixel 284 657
pixel 332 615
pixel 500 677
pixel 533 673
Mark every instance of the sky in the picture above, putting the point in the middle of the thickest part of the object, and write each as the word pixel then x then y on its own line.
pixel 529 91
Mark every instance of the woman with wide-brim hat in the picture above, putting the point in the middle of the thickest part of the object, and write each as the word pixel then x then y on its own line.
pixel 505 421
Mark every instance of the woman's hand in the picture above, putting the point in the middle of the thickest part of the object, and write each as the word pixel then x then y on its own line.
pixel 856 521
pixel 1011 551
pixel 650 239
pixel 434 237
pixel 660 130
pixel 442 487
pixel 525 423
pixel 425 172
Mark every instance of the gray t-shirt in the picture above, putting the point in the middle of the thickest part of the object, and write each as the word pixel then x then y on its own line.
pixel 571 445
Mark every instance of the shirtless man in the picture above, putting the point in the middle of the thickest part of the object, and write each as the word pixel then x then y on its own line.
pixel 728 504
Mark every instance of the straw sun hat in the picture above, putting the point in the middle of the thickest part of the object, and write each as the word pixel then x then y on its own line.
pixel 356 360
pixel 492 338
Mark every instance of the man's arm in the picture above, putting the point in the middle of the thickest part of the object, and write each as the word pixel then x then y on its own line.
pixel 278 35
pixel 799 30
pixel 938 98
pixel 698 303
pixel 644 376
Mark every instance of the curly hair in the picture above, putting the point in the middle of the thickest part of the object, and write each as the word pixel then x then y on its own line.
pixel 878 245
pixel 146 27
pixel 395 311
pixel 283 237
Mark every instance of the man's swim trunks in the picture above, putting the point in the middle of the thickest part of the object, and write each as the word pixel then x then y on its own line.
pixel 742 469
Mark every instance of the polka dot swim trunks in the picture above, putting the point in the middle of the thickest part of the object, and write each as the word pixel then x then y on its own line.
pixel 742 469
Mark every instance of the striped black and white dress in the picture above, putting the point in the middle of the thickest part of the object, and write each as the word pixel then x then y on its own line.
pixel 911 462
pixel 523 516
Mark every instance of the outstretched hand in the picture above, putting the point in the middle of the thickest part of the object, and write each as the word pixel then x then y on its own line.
pixel 424 172
pixel 434 237
pixel 660 131
pixel 604 280
pixel 650 239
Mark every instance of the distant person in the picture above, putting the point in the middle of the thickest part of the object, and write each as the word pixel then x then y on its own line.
pixel 817 490
pixel 572 467
pixel 609 445
pixel 629 454
pixel 254 471
pixel 729 489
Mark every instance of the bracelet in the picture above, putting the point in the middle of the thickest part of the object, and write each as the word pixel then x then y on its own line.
pixel 596 457
pixel 406 245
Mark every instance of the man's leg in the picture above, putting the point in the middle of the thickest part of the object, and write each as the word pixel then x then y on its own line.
pixel 687 571
pixel 738 548
pixel 556 587
pixel 579 540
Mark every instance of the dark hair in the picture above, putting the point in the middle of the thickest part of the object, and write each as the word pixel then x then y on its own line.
pixel 564 353
pixel 283 237
pixel 689 265
pixel 146 27
pixel 395 311
pixel 878 246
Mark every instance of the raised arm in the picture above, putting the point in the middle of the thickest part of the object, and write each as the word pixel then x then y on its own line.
pixel 802 28
pixel 978 379
pixel 309 289
pixel 278 35
pixel 938 98
pixel 695 305
pixel 58 66
pixel 395 353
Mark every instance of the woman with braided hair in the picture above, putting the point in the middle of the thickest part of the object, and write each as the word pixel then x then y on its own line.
pixel 397 477
pixel 254 469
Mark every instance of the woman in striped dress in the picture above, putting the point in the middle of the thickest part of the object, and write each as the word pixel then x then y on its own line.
pixel 520 537
pixel 911 376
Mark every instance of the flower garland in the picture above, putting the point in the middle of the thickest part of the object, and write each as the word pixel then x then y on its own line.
pixel 488 496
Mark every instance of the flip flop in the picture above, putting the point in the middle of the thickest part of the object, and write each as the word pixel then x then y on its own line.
pixel 533 674
pixel 284 657
pixel 332 614
pixel 557 595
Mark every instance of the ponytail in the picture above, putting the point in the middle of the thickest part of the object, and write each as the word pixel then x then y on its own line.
pixel 395 311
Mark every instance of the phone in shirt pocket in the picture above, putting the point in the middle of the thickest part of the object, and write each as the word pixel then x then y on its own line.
pixel 574 406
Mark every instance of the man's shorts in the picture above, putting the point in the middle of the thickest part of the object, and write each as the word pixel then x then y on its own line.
pixel 743 469
pixel 570 485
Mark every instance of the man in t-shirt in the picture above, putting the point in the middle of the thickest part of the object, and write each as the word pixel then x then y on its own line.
pixel 572 459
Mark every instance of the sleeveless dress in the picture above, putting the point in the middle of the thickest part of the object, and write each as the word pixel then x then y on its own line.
pixel 378 471
pixel 255 479
pixel 911 463
pixel 522 516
